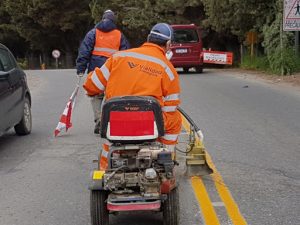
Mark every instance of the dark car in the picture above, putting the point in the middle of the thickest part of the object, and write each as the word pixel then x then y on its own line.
pixel 15 98
pixel 187 47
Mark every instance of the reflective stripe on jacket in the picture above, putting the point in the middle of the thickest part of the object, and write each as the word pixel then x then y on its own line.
pixel 107 43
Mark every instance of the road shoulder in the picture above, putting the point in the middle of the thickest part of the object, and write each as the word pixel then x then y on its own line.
pixel 291 81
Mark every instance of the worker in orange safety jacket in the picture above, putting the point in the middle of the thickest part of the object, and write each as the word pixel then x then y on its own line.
pixel 143 71
pixel 98 45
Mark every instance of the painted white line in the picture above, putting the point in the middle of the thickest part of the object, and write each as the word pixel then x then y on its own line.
pixel 218 204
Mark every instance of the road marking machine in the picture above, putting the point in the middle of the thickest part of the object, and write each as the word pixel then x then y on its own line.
pixel 139 173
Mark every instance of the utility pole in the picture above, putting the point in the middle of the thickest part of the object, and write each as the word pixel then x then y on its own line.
pixel 281 46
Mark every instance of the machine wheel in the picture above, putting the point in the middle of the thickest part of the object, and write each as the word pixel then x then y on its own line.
pixel 199 69
pixel 98 207
pixel 24 126
pixel 171 208
pixel 186 69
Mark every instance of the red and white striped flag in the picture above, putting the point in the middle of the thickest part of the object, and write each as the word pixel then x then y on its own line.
pixel 65 119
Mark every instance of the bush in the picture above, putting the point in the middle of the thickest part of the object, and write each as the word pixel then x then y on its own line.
pixel 257 63
pixel 286 60
pixel 23 63
pixel 279 57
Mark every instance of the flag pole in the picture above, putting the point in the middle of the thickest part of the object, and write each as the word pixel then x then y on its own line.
pixel 65 119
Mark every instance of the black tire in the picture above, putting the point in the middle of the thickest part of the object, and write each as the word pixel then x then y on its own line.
pixel 25 125
pixel 98 207
pixel 171 208
pixel 186 69
pixel 199 69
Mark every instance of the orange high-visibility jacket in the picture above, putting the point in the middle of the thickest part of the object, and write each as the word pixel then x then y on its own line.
pixel 143 71
pixel 107 43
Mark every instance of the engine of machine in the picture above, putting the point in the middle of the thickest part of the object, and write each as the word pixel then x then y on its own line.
pixel 143 169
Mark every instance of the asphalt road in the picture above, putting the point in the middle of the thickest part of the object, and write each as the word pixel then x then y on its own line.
pixel 252 132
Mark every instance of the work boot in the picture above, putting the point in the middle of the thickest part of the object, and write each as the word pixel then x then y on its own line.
pixel 97 127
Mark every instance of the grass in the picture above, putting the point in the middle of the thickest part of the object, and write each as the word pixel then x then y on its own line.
pixel 262 63
pixel 256 63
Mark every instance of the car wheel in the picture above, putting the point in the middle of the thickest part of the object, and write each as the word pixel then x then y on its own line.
pixel 171 208
pixel 25 125
pixel 186 69
pixel 199 69
pixel 98 207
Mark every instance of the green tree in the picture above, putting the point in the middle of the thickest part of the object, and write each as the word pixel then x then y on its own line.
pixel 236 16
pixel 49 24
pixel 278 45
pixel 9 35
pixel 135 18
pixel 263 16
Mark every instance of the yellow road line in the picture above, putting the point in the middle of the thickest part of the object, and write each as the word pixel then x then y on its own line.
pixel 224 193
pixel 208 211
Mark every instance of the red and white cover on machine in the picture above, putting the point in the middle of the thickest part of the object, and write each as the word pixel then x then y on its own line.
pixel 132 125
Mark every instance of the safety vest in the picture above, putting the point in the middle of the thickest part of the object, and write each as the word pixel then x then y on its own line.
pixel 107 43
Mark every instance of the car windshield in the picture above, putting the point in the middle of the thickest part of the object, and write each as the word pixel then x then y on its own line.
pixel 5 61
pixel 185 36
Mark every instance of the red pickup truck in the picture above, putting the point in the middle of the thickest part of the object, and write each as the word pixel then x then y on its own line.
pixel 187 47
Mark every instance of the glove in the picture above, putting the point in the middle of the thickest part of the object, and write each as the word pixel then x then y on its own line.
pixel 169 54
pixel 80 74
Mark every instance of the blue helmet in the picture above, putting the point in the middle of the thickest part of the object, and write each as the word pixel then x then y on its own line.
pixel 161 31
